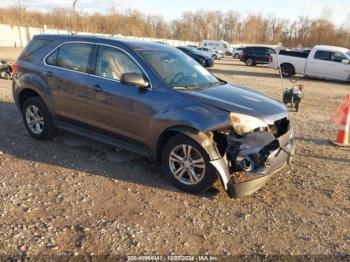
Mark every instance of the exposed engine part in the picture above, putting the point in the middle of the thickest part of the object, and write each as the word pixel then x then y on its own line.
pixel 250 152
pixel 247 164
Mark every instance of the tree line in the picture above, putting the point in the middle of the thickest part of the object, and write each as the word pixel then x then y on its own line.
pixel 192 26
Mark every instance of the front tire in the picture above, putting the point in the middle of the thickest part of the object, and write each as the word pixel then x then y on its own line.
pixel 214 57
pixel 236 56
pixel 37 119
pixel 187 165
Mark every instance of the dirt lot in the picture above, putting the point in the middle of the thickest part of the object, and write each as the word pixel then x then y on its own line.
pixel 74 196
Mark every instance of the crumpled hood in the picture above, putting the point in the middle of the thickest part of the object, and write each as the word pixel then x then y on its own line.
pixel 241 100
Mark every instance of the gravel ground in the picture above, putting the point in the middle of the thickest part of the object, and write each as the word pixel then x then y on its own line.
pixel 73 196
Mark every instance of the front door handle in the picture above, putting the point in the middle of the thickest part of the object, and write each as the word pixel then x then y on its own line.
pixel 97 88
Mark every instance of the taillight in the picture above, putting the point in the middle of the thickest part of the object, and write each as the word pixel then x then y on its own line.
pixel 270 59
pixel 14 69
pixel 242 53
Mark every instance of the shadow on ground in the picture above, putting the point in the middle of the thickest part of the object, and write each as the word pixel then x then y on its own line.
pixel 80 154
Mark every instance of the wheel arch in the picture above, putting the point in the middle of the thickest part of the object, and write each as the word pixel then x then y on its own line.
pixel 25 94
pixel 204 139
pixel 288 64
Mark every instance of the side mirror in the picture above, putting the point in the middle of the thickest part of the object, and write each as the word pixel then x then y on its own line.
pixel 134 79
pixel 345 61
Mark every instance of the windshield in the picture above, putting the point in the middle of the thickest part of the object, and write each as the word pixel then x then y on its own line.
pixel 178 69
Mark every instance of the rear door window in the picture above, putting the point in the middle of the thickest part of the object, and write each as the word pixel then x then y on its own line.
pixel 271 51
pixel 323 55
pixel 73 56
pixel 52 58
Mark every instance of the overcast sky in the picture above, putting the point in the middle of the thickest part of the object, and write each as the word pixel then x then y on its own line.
pixel 289 9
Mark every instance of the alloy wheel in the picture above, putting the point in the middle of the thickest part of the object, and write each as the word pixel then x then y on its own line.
pixel 35 119
pixel 249 62
pixel 187 164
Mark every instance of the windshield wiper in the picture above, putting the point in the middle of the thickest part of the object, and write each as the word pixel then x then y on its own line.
pixel 219 83
pixel 188 88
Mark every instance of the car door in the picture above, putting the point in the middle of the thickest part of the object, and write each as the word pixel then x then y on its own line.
pixel 260 54
pixel 318 64
pixel 65 72
pixel 338 70
pixel 254 53
pixel 112 107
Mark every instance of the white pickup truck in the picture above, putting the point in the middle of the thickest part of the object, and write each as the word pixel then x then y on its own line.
pixel 329 62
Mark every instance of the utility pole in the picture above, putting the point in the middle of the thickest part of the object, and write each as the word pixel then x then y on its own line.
pixel 75 16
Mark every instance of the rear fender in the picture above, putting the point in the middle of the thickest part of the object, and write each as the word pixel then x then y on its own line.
pixel 35 83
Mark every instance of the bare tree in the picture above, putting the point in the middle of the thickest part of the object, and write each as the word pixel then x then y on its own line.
pixel 195 26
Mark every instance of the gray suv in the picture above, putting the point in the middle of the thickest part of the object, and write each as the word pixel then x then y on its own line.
pixel 154 100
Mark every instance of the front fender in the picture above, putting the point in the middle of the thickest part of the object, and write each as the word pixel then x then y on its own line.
pixel 201 117
pixel 205 140
pixel 191 118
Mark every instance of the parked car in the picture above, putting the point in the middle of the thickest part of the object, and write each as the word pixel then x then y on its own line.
pixel 221 45
pixel 237 52
pixel 210 52
pixel 204 60
pixel 154 100
pixel 220 53
pixel 328 62
pixel 253 55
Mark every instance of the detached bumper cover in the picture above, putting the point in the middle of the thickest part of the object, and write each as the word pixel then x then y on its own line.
pixel 255 179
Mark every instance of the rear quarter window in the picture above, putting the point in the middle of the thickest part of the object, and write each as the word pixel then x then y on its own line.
pixel 33 46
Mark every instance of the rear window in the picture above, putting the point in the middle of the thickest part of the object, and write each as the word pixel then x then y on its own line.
pixel 33 46
pixel 74 56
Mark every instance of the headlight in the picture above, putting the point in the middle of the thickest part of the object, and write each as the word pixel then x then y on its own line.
pixel 243 124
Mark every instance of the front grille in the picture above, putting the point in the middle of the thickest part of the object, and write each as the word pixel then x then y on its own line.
pixel 280 127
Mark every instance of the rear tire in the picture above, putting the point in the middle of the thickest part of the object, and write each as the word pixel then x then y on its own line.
pixel 202 62
pixel 214 57
pixel 37 119
pixel 189 172
pixel 287 70
pixel 250 62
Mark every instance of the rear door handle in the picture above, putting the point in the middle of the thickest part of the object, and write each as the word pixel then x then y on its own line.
pixel 97 88
pixel 49 74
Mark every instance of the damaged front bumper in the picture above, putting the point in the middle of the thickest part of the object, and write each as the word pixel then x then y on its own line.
pixel 250 161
